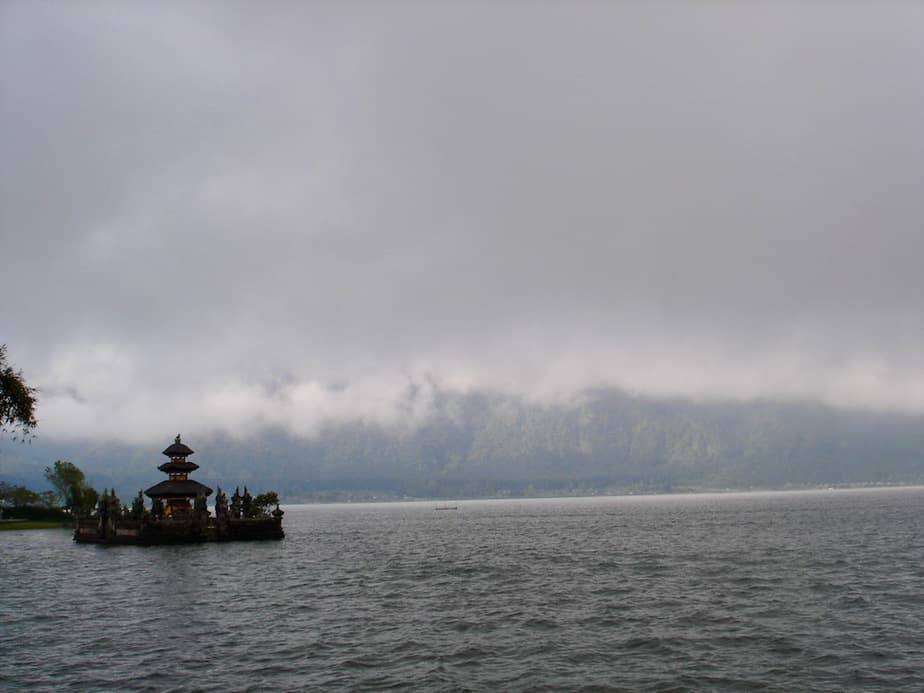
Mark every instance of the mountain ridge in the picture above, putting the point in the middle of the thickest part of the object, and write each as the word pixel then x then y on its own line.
pixel 489 444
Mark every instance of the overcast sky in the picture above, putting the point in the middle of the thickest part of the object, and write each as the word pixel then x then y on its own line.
pixel 231 215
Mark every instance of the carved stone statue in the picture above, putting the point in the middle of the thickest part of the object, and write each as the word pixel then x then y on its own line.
pixel 236 505
pixel 221 504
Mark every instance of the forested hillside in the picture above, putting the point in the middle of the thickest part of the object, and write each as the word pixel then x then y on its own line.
pixel 487 444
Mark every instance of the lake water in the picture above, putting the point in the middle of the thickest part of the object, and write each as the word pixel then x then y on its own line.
pixel 776 591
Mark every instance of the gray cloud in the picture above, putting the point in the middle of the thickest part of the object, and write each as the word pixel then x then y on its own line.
pixel 213 214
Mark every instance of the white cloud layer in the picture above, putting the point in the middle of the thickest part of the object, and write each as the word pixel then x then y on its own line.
pixel 227 216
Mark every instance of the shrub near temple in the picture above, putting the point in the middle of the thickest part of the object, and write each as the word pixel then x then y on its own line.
pixel 263 502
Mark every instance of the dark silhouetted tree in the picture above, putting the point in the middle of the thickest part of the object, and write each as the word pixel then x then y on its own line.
pixel 138 509
pixel 71 487
pixel 262 502
pixel 89 497
pixel 17 496
pixel 17 401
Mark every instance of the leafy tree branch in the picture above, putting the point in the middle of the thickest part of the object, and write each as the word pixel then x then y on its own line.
pixel 17 401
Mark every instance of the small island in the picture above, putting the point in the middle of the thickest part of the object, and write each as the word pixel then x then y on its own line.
pixel 179 512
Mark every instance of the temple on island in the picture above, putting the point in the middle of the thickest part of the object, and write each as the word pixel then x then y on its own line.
pixel 179 512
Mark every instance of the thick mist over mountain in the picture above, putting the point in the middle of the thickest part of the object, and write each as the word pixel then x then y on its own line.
pixel 487 444
pixel 236 219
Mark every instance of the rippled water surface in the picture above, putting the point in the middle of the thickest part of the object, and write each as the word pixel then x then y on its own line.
pixel 785 591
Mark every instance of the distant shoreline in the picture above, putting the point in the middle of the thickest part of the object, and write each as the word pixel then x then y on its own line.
pixel 688 491
pixel 9 524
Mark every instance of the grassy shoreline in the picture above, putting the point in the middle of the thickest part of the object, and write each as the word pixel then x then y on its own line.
pixel 7 525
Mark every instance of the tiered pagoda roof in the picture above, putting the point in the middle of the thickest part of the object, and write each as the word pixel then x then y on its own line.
pixel 178 486
pixel 187 488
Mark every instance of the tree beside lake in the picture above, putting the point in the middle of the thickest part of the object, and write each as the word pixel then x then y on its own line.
pixel 17 401
pixel 70 484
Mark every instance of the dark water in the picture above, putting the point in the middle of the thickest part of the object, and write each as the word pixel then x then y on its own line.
pixel 795 591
